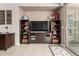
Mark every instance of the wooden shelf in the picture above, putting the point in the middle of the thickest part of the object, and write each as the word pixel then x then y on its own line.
pixel 55 28
pixel 55 20
pixel 55 34
pixel 24 31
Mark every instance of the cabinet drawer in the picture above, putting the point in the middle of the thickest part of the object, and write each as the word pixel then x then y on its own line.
pixel 2 36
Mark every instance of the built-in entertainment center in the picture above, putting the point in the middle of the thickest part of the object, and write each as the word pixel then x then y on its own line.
pixel 47 31
pixel 38 32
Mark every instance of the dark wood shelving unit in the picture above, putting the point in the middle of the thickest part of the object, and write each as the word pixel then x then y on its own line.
pixel 24 31
pixel 55 29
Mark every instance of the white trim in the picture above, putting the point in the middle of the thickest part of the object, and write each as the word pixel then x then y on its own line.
pixel 62 45
pixel 17 43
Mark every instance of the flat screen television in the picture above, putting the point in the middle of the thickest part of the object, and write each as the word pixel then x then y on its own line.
pixel 39 25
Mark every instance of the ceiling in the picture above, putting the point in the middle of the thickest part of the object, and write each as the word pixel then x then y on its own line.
pixel 44 7
pixel 38 8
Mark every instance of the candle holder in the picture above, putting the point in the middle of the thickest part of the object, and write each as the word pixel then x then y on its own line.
pixel 6 27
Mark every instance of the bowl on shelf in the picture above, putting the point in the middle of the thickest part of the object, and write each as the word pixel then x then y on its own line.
pixel 25 17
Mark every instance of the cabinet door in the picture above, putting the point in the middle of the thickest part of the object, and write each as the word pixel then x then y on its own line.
pixel 8 41
pixel 2 41
pixel 2 17
pixel 12 37
pixel 9 16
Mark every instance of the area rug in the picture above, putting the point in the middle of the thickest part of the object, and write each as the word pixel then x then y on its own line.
pixel 57 50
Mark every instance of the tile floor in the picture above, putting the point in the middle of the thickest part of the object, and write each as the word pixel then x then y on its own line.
pixel 27 50
pixel 75 49
pixel 32 50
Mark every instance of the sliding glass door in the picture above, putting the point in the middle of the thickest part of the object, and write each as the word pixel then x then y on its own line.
pixel 72 30
pixel 69 28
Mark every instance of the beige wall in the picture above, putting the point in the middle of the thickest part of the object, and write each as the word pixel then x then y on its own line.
pixel 62 12
pixel 38 15
pixel 21 13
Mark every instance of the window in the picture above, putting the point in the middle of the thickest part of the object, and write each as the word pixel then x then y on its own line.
pixel 2 17
pixel 9 17
pixel 5 17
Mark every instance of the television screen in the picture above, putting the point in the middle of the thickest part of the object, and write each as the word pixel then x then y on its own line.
pixel 39 25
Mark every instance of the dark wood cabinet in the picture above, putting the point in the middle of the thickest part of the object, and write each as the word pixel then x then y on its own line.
pixel 7 40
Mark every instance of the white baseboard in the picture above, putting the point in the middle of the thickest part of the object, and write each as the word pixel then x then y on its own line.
pixel 17 43
pixel 62 44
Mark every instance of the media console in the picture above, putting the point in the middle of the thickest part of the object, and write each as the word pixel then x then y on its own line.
pixel 39 37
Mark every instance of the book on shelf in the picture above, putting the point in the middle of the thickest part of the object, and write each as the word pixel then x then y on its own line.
pixel 25 33
pixel 24 40
pixel 24 36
